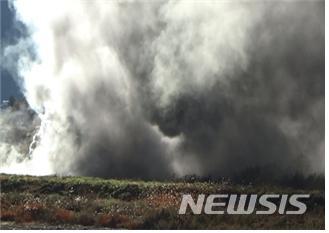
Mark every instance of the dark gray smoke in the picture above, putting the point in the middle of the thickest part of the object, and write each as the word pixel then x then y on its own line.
pixel 149 90
pixel 269 115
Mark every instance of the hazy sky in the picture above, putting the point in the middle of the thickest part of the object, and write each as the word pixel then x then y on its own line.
pixel 9 34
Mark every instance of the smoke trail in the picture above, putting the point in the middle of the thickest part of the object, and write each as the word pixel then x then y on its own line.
pixel 146 90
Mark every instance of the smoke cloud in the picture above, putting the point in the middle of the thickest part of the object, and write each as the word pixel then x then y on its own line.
pixel 136 89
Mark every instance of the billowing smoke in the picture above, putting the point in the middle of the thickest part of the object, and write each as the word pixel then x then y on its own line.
pixel 144 89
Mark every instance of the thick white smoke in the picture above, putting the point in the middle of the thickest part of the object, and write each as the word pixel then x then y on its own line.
pixel 141 89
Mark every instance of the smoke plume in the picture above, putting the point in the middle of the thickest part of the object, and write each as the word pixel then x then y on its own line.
pixel 141 89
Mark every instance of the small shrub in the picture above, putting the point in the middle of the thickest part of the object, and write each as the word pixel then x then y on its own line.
pixel 85 219
pixel 115 221
pixel 64 216
pixel 7 215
